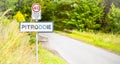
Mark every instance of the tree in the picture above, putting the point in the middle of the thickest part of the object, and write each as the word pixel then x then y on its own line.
pixel 113 19
pixel 85 15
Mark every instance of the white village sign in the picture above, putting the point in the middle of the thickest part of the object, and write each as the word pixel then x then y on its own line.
pixel 36 27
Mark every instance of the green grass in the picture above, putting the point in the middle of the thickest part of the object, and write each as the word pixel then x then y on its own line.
pixel 48 58
pixel 16 48
pixel 104 40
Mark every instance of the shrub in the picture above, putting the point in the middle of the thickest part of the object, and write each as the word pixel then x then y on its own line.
pixel 113 19
pixel 85 15
pixel 19 17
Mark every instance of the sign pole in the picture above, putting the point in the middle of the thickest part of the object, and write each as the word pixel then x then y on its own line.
pixel 41 26
pixel 37 62
pixel 36 14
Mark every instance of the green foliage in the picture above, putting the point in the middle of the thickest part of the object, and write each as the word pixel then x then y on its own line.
pixel 113 19
pixel 60 15
pixel 19 17
pixel 32 38
pixel 48 9
pixel 85 15
pixel 8 4
pixel 82 15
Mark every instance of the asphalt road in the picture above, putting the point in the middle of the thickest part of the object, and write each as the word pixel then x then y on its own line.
pixel 77 52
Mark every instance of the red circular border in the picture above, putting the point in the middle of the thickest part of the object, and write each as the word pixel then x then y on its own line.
pixel 33 8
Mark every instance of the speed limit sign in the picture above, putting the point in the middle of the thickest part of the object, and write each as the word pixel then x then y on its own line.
pixel 36 11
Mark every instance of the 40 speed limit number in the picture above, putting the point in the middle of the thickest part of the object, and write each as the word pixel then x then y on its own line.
pixel 36 12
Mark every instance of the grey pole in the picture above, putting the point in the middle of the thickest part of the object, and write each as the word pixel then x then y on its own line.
pixel 37 62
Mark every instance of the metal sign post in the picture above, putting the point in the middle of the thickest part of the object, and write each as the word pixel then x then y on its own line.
pixel 37 47
pixel 36 14
pixel 36 26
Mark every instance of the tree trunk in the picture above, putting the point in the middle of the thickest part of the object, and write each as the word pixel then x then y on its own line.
pixel 106 11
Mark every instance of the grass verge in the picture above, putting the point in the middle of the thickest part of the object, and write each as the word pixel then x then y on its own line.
pixel 107 41
pixel 47 57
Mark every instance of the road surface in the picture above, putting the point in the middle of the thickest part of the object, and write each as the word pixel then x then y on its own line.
pixel 77 52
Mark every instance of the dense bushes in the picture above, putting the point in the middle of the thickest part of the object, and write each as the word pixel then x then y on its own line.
pixel 85 15
pixel 113 19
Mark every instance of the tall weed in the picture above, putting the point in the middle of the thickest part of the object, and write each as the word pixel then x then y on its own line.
pixel 14 45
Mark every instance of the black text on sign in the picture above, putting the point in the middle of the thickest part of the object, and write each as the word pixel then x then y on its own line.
pixel 36 27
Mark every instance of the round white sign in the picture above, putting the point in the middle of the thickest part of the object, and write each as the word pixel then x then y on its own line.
pixel 36 7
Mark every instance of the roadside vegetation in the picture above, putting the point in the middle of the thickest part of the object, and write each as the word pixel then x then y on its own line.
pixel 14 45
pixel 48 58
pixel 19 48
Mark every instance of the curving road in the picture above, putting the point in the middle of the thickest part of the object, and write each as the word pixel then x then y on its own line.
pixel 77 52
